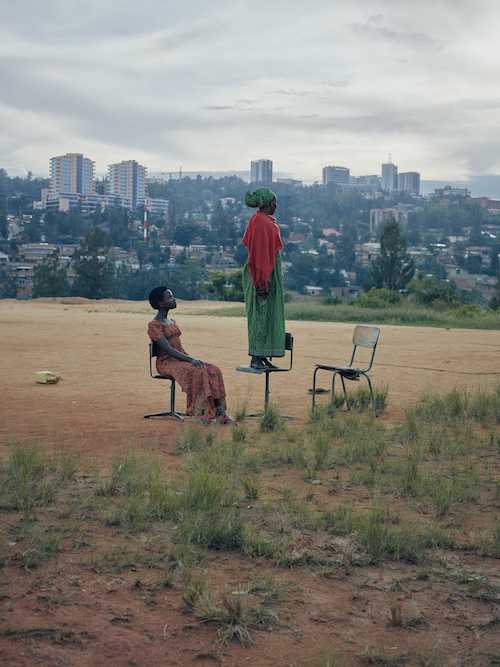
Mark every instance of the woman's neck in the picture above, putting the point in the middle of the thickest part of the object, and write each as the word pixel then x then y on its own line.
pixel 162 314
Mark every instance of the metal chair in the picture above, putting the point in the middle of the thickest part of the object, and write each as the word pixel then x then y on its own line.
pixel 363 337
pixel 267 372
pixel 153 352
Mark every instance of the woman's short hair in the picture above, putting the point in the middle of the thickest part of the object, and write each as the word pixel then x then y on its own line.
pixel 155 297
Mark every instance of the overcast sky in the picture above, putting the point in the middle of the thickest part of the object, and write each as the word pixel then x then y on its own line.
pixel 212 85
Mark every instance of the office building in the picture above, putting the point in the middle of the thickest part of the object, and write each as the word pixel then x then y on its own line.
pixel 338 175
pixel 380 216
pixel 72 174
pixel 409 181
pixel 157 206
pixel 127 179
pixel 389 177
pixel 261 171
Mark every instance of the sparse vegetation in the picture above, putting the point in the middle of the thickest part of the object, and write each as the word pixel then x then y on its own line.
pixel 339 493
pixel 31 479
pixel 271 420
pixel 405 314
pixel 237 615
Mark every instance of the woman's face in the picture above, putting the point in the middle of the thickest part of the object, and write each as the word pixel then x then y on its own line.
pixel 273 205
pixel 168 300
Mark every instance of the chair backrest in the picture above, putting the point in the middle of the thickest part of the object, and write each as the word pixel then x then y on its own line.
pixel 153 352
pixel 366 337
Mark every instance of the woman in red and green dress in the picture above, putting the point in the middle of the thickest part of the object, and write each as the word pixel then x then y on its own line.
pixel 263 281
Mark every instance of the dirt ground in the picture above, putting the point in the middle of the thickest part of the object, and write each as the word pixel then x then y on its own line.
pixel 100 351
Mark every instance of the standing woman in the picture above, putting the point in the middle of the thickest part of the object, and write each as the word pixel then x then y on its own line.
pixel 263 282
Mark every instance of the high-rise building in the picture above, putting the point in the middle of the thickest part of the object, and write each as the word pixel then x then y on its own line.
pixel 261 171
pixel 389 177
pixel 409 181
pixel 72 174
pixel 128 180
pixel 333 174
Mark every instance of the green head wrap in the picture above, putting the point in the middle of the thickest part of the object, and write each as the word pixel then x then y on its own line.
pixel 261 197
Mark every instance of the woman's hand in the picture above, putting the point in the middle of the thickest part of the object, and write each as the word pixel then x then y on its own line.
pixel 262 292
pixel 196 363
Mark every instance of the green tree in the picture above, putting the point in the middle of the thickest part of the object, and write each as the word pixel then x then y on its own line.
pixel 94 271
pixel 3 226
pixel 50 277
pixel 393 268
pixel 428 289
pixel 495 299
pixel 227 286
pixel 185 233
pixel 345 251
pixel 7 286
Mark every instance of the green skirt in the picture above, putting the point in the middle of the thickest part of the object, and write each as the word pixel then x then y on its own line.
pixel 266 317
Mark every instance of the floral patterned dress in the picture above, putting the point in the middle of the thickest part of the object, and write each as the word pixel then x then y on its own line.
pixel 202 385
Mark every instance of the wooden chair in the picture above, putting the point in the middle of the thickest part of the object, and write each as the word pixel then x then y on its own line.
pixel 363 337
pixel 153 352
pixel 267 372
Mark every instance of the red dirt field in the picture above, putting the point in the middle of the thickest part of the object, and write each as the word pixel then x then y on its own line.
pixel 74 614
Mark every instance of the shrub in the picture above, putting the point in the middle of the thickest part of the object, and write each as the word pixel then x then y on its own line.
pixel 236 616
pixel 378 298
pixel 31 479
pixel 270 420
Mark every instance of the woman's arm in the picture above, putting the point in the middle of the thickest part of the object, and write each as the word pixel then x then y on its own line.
pixel 164 345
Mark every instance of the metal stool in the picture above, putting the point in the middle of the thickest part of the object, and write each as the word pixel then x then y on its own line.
pixel 267 372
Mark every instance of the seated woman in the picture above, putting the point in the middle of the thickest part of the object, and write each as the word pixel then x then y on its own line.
pixel 202 382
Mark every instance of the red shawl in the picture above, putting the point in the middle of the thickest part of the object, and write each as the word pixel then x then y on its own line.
pixel 263 240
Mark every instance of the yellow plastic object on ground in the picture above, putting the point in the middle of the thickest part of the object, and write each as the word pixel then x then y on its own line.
pixel 46 377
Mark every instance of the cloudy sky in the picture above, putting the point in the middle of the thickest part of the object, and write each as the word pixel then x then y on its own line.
pixel 212 85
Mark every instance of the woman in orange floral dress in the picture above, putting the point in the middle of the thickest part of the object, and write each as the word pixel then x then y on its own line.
pixel 202 382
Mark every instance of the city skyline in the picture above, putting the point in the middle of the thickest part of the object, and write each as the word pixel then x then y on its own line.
pixel 203 88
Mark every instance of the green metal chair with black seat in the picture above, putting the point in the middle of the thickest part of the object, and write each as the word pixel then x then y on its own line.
pixel 363 337
pixel 153 352
pixel 267 372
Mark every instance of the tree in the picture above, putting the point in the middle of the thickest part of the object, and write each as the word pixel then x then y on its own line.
pixel 345 251
pixel 428 289
pixel 7 285
pixel 495 299
pixel 227 287
pixel 394 268
pixel 185 233
pixel 4 232
pixel 50 277
pixel 93 269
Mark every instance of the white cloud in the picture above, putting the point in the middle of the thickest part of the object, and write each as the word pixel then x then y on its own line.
pixel 211 86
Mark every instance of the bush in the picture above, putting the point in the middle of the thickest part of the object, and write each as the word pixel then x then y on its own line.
pixel 31 479
pixel 378 298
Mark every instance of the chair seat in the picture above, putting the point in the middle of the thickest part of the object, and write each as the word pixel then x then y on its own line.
pixel 261 371
pixel 163 377
pixel 342 370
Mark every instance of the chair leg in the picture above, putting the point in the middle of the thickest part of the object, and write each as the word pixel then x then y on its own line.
pixel 266 393
pixel 332 401
pixel 371 394
pixel 313 402
pixel 346 399
pixel 172 412
pixel 172 396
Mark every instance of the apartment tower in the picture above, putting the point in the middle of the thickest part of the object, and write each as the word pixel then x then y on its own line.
pixel 72 173
pixel 128 180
